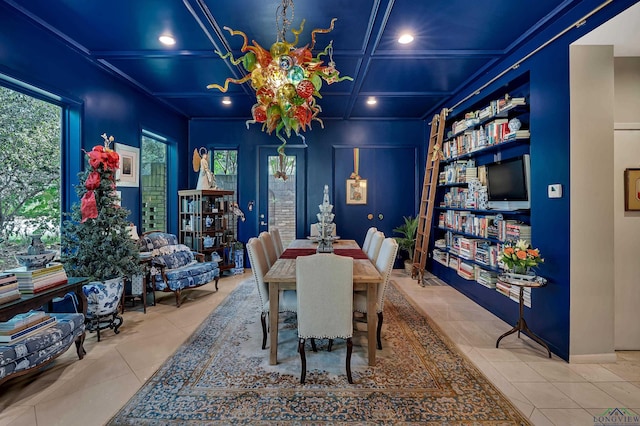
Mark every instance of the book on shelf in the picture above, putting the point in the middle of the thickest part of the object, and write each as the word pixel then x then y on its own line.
pixel 7 278
pixel 518 134
pixel 10 296
pixel 10 338
pixel 466 271
pixel 8 287
pixel 43 282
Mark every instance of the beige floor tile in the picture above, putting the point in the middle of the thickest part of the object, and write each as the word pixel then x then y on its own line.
pixel 587 395
pixel 629 371
pixel 18 415
pixel 539 419
pixel 627 393
pixel 595 373
pixel 568 416
pixel 518 372
pixel 556 371
pixel 545 395
pixel 498 355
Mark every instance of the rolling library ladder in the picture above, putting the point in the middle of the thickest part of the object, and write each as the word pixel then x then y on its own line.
pixel 425 217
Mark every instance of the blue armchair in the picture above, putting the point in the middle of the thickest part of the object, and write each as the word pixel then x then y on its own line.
pixel 174 266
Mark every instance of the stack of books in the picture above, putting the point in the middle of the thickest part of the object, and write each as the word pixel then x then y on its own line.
pixel 32 281
pixel 8 287
pixel 24 325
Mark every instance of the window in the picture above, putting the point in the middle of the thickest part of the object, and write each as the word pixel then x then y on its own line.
pixel 30 181
pixel 153 182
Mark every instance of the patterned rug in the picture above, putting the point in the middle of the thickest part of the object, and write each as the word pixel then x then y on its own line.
pixel 221 376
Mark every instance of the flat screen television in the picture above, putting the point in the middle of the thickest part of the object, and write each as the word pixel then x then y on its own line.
pixel 509 184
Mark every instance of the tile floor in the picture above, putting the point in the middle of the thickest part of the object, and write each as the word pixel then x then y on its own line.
pixel 88 392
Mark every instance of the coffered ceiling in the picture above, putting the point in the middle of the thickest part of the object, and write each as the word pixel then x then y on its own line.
pixel 455 42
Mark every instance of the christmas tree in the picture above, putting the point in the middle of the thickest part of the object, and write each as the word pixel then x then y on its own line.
pixel 96 242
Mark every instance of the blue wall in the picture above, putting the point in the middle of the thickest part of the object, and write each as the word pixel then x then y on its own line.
pixel 319 156
pixel 550 161
pixel 101 102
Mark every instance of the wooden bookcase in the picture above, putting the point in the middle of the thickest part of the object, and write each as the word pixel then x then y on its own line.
pixel 205 223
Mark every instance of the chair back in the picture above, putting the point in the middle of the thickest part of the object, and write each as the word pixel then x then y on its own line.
pixel 384 265
pixel 374 247
pixel 367 238
pixel 277 240
pixel 259 267
pixel 324 285
pixel 269 248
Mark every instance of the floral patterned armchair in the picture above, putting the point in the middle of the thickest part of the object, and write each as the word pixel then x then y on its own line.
pixel 174 266
pixel 103 301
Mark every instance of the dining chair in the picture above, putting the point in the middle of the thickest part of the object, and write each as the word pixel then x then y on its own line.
pixel 384 265
pixel 275 234
pixel 269 248
pixel 367 238
pixel 288 301
pixel 324 284
pixel 374 247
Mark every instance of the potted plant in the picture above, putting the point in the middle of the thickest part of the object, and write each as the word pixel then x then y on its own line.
pixel 407 242
pixel 96 242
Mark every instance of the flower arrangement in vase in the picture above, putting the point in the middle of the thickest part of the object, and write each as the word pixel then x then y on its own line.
pixel 520 257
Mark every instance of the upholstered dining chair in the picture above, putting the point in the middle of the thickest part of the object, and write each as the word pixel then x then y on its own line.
pixel 324 283
pixel 269 248
pixel 374 247
pixel 367 238
pixel 288 301
pixel 277 240
pixel 384 264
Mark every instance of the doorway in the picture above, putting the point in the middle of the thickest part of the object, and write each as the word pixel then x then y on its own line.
pixel 281 192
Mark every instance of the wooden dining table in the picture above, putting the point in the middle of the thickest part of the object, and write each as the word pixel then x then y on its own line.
pixel 282 276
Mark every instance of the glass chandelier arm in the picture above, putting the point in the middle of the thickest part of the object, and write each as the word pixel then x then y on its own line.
pixel 227 81
pixel 321 31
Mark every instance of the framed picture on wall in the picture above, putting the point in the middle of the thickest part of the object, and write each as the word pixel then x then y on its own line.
pixel 356 191
pixel 632 189
pixel 128 173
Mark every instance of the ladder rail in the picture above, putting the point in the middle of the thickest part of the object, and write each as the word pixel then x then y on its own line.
pixel 429 186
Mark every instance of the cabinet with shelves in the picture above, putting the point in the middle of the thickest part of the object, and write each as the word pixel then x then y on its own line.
pixel 467 235
pixel 205 226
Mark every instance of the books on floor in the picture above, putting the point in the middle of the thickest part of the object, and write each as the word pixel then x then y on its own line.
pixel 35 280
pixel 24 325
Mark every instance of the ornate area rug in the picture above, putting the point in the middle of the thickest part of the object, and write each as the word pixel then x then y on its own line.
pixel 222 376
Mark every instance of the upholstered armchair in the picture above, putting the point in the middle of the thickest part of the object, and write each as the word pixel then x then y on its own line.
pixel 324 285
pixel 174 266
pixel 103 302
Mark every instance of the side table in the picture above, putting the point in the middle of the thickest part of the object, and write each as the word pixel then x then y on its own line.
pixel 521 325
pixel 139 285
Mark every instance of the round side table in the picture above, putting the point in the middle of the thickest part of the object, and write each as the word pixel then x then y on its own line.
pixel 521 325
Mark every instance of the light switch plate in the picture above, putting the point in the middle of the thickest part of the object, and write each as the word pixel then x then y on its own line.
pixel 555 190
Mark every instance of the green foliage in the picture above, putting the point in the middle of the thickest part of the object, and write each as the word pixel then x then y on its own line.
pixel 408 230
pixel 99 248
pixel 30 163
pixel 225 162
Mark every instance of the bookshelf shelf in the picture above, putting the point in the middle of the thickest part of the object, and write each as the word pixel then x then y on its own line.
pixel 467 239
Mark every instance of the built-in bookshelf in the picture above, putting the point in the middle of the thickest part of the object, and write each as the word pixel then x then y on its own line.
pixel 468 235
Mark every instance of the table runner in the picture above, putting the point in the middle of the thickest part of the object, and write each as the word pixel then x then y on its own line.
pixel 292 253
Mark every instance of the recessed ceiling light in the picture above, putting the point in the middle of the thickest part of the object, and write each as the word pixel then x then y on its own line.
pixel 405 39
pixel 226 100
pixel 371 101
pixel 167 39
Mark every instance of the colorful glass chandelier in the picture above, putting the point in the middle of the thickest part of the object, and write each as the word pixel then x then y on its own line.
pixel 287 79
